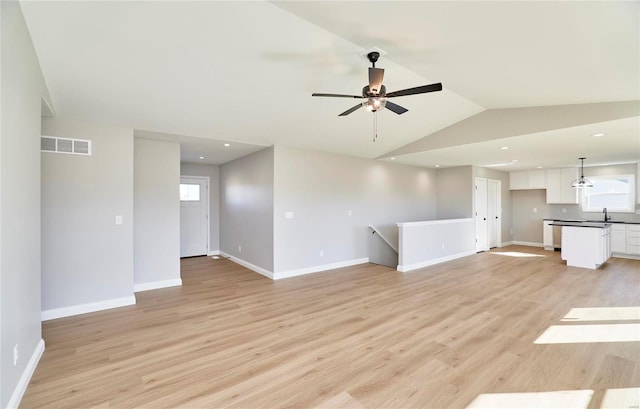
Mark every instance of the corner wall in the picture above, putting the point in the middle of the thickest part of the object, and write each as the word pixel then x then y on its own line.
pixel 87 259
pixel 156 210
pixel 22 88
pixel 246 210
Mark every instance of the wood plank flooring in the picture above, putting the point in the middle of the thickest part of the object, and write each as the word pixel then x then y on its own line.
pixel 360 337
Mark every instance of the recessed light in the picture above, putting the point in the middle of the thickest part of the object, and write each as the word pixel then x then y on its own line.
pixel 392 158
pixel 227 144
pixel 538 167
pixel 514 161
pixel 201 157
pixel 597 135
pixel 437 166
pixel 504 148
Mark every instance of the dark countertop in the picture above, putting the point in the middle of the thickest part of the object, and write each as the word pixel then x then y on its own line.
pixel 596 225
pixel 590 221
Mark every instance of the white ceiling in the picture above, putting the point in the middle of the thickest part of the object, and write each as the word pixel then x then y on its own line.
pixel 243 72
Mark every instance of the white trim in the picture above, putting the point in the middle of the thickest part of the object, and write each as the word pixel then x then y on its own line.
pixel 248 265
pixel 431 222
pixel 21 387
pixel 627 256
pixel 528 243
pixel 322 267
pixel 85 308
pixel 175 282
pixel 404 269
pixel 213 253
pixel 506 243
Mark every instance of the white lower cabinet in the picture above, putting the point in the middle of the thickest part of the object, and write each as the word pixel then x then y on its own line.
pixel 633 239
pixel 547 234
pixel 586 247
pixel 619 238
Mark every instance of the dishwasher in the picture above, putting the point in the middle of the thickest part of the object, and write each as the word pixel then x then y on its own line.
pixel 557 237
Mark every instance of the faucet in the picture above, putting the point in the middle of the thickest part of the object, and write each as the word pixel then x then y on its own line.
pixel 606 216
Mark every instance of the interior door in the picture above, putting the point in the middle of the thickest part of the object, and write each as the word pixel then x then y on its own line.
pixel 482 236
pixel 194 215
pixel 494 209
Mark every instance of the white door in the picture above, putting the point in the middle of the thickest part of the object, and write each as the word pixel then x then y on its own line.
pixel 494 209
pixel 194 215
pixel 482 236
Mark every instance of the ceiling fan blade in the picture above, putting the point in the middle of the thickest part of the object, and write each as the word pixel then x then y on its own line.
pixel 375 79
pixel 317 94
pixel 417 90
pixel 350 110
pixel 395 108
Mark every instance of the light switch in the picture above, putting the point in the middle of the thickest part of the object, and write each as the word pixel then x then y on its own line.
pixel 118 220
pixel 288 215
pixel 535 210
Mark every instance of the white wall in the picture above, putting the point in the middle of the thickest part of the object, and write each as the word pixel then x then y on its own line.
pixel 321 188
pixel 21 90
pixel 246 209
pixel 86 257
pixel 213 173
pixel 156 210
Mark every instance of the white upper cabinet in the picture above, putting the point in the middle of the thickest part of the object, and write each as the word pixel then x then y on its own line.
pixel 559 190
pixel 532 179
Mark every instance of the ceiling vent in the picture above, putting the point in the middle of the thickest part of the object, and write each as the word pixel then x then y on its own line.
pixel 65 145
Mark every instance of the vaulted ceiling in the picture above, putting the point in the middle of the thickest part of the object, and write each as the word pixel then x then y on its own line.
pixel 209 72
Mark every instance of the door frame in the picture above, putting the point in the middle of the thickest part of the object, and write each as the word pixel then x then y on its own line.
pixel 207 180
pixel 498 203
pixel 483 181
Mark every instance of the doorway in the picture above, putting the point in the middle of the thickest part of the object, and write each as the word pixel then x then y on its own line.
pixel 194 216
pixel 480 214
pixel 494 209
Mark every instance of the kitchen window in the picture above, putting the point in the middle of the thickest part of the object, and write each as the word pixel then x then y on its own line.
pixel 615 192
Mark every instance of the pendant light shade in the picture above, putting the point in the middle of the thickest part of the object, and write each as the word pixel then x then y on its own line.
pixel 581 182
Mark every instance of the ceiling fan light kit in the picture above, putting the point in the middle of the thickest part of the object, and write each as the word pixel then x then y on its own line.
pixel 375 97
pixel 581 182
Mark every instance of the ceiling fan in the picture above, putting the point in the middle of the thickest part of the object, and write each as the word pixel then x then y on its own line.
pixel 375 97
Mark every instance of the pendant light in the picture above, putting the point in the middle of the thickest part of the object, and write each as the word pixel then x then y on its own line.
pixel 581 182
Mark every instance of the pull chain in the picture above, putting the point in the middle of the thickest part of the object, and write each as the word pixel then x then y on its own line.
pixel 375 126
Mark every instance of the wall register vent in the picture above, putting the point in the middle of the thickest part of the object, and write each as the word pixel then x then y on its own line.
pixel 65 145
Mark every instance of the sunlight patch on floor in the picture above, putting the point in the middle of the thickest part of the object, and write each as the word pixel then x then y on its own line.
pixel 603 314
pixel 626 398
pixel 573 334
pixel 516 254
pixel 531 400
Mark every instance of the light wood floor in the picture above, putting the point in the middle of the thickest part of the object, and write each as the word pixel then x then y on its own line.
pixel 364 336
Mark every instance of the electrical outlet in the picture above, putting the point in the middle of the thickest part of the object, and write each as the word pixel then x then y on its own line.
pixel 564 210
pixel 442 246
pixel 535 210
pixel 15 355
pixel 321 253
pixel 118 220
pixel 239 249
pixel 349 212
pixel 511 232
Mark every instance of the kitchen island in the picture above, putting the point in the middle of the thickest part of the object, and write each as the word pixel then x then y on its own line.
pixel 586 245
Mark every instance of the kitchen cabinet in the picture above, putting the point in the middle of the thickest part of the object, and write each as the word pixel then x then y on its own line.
pixel 586 247
pixel 547 234
pixel 633 239
pixel 532 179
pixel 559 190
pixel 619 238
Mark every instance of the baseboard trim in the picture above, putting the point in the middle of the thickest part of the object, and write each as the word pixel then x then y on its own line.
pixel 527 243
pixel 21 387
pixel 154 285
pixel 506 243
pixel 248 265
pixel 54 313
pixel 213 253
pixel 319 268
pixel 627 256
pixel 415 266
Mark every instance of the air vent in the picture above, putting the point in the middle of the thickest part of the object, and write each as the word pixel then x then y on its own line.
pixel 65 145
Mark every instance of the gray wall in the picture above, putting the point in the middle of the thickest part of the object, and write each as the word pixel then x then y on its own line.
pixel 21 90
pixel 527 224
pixel 505 197
pixel 321 188
pixel 246 208
pixel 156 209
pixel 86 257
pixel 454 191
pixel 213 172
